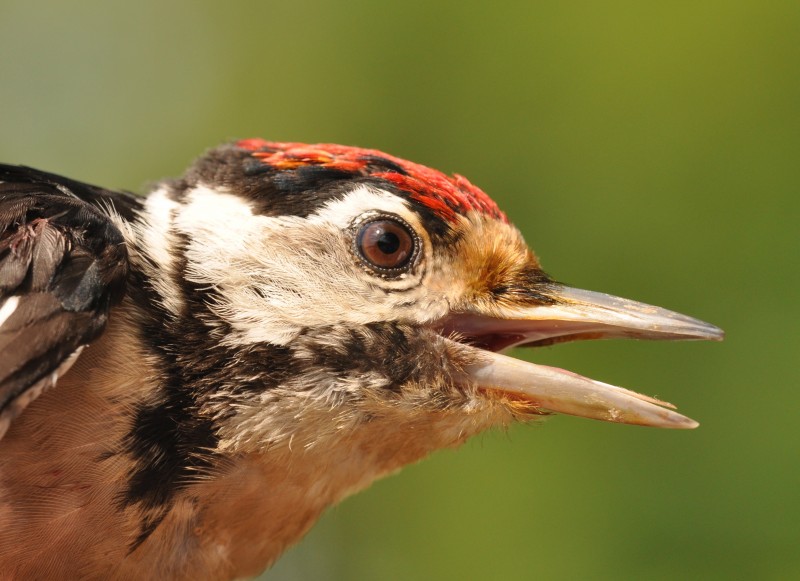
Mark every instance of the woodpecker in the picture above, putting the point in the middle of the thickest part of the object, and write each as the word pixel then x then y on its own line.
pixel 188 379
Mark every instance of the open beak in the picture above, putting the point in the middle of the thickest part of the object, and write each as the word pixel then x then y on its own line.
pixel 573 314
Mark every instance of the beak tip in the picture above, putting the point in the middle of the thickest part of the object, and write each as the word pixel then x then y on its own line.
pixel 654 418
pixel 680 422
pixel 710 332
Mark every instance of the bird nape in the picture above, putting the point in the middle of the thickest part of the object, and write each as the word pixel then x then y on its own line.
pixel 250 343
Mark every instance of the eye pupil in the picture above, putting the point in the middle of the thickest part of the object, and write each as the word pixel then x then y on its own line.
pixel 386 244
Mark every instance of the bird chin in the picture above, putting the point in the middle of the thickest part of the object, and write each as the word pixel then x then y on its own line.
pixel 572 315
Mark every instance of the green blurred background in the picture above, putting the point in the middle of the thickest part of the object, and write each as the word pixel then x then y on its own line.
pixel 645 149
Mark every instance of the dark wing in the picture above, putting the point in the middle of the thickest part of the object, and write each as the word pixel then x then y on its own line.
pixel 63 264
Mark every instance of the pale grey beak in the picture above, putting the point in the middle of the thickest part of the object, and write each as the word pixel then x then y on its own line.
pixel 574 314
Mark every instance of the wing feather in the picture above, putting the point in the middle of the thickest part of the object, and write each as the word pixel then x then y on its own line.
pixel 63 265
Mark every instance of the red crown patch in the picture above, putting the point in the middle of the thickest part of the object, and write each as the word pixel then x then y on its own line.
pixel 445 195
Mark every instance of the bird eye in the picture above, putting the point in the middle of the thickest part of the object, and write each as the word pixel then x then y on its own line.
pixel 386 244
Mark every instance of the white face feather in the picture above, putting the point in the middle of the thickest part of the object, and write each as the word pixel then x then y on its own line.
pixel 158 243
pixel 277 275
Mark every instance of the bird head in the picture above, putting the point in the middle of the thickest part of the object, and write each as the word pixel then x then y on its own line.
pixel 360 298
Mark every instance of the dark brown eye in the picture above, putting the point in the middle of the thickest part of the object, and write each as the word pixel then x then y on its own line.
pixel 386 244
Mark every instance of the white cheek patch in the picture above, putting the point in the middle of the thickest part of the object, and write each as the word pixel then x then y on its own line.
pixel 275 276
pixel 249 260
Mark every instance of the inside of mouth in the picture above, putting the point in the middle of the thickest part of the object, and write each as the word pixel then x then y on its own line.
pixel 498 335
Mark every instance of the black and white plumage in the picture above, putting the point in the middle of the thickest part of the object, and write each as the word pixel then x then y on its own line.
pixel 262 337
